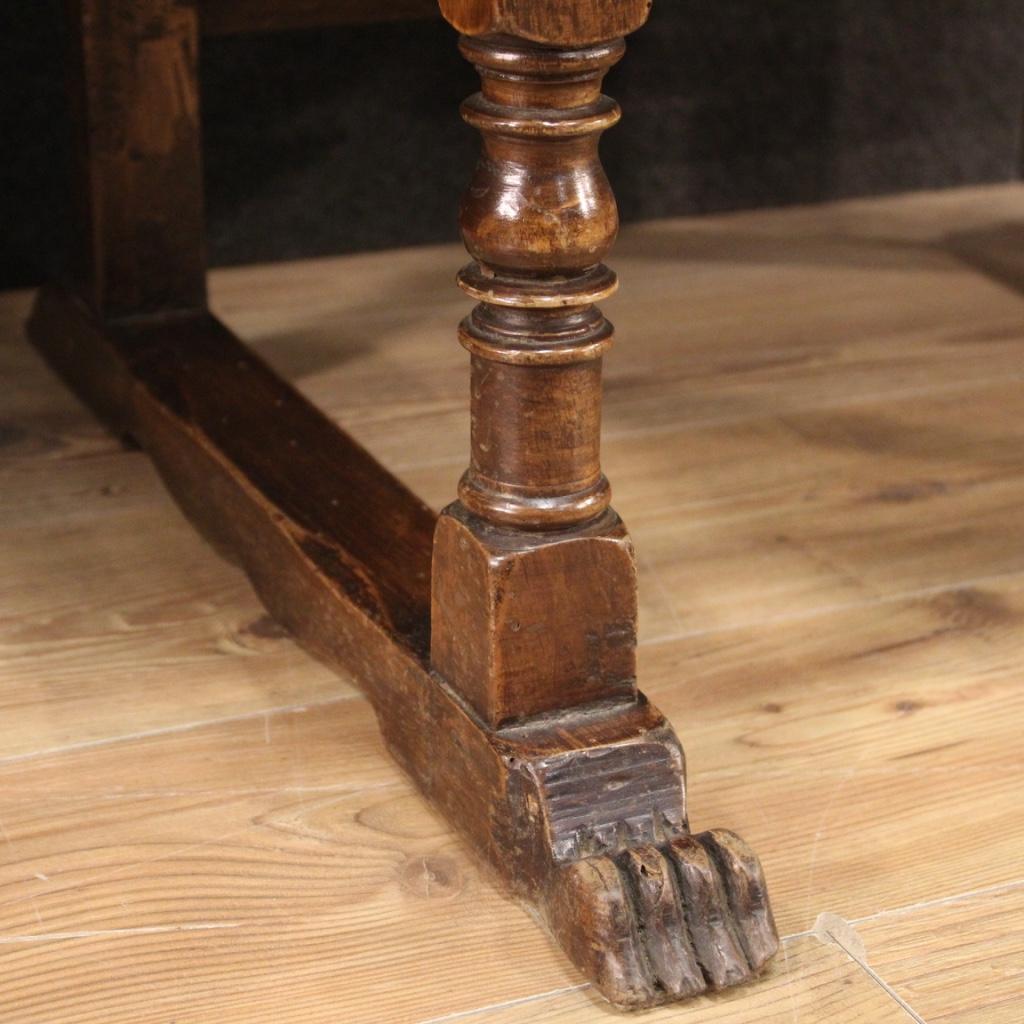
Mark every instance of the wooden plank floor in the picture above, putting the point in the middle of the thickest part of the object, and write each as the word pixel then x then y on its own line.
pixel 815 428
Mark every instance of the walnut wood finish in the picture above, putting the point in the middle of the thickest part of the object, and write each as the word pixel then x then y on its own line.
pixel 135 101
pixel 553 22
pixel 534 584
pixel 534 595
pixel 497 641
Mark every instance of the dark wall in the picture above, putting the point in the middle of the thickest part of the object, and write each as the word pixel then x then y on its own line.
pixel 335 140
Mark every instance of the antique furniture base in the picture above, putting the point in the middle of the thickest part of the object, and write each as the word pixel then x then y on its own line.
pixel 497 641
pixel 580 812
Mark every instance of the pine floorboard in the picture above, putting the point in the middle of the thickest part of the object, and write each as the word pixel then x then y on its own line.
pixel 814 427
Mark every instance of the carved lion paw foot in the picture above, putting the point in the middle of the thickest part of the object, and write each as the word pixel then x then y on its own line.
pixel 655 923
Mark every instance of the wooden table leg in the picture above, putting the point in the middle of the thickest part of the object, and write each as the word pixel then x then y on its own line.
pixel 504 676
pixel 534 604
pixel 534 596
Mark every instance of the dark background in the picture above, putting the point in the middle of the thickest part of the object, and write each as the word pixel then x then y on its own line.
pixel 342 139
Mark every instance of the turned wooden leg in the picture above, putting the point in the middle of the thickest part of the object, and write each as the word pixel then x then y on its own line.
pixel 534 597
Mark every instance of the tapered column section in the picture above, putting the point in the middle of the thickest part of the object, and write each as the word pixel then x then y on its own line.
pixel 534 596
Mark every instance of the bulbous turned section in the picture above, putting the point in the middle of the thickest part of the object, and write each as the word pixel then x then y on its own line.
pixel 539 201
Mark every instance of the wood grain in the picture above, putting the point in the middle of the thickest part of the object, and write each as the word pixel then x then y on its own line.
pixel 548 21
pixel 339 552
pixel 826 335
pixel 864 734
pixel 811 983
pixel 134 91
pixel 960 962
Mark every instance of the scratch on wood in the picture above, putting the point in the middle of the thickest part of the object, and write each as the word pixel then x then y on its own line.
pixel 831 929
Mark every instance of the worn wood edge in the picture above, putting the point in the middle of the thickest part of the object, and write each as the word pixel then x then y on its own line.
pixel 120 374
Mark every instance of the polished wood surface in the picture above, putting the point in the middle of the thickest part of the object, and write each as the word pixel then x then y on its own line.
pixel 538 218
pixel 814 430
pixel 548 21
pixel 534 587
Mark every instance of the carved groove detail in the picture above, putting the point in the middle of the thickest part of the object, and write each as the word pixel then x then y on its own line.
pixel 605 799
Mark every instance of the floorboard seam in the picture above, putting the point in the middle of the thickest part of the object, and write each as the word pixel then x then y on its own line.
pixel 630 433
pixel 910 908
pixel 461 1014
pixel 786 939
pixel 7 940
pixel 861 962
pixel 831 609
pixel 183 727
pixel 940 901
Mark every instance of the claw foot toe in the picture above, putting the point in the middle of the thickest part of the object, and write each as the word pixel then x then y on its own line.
pixel 655 923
